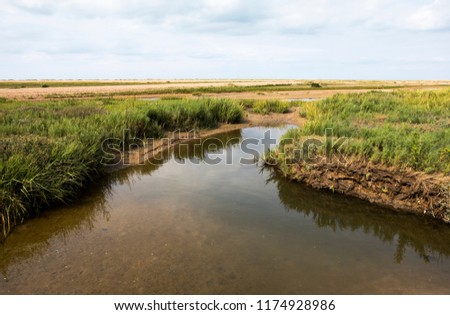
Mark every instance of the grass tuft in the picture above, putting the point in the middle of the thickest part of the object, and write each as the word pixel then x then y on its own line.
pixel 265 107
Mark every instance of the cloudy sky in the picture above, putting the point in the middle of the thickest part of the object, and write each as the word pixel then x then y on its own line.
pixel 342 39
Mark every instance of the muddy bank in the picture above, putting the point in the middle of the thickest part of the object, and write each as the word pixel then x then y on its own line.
pixel 401 190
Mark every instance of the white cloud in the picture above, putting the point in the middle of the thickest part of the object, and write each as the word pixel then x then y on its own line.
pixel 33 6
pixel 218 38
pixel 431 17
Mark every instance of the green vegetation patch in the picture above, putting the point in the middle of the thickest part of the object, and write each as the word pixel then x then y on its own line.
pixel 404 129
pixel 271 106
pixel 50 150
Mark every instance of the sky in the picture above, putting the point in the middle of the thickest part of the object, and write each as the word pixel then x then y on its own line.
pixel 174 39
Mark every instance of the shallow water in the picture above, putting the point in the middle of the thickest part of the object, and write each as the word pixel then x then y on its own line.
pixel 229 228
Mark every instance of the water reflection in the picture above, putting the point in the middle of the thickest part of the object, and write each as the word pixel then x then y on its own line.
pixel 427 237
pixel 34 236
pixel 198 150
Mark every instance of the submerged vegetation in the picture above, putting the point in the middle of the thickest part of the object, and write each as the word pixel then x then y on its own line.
pixel 50 150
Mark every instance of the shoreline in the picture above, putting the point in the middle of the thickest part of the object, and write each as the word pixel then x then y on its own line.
pixel 402 191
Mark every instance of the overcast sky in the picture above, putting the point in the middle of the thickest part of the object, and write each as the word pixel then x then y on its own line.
pixel 342 39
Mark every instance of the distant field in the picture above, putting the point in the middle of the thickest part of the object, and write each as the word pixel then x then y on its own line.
pixel 47 84
pixel 279 89
pixel 19 84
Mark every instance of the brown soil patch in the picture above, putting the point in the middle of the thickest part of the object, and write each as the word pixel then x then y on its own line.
pixel 402 190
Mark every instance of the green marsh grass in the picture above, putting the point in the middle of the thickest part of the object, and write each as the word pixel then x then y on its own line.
pixel 403 129
pixel 271 106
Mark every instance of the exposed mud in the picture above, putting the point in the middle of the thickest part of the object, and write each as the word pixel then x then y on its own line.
pixel 402 190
